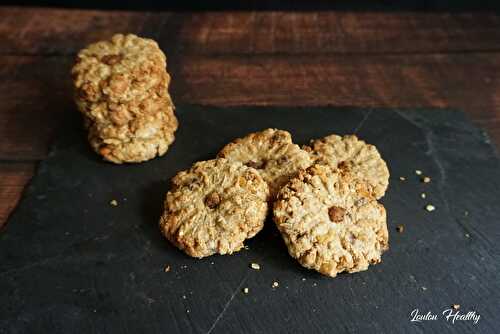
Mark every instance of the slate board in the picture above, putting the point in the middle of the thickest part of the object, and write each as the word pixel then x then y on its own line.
pixel 72 263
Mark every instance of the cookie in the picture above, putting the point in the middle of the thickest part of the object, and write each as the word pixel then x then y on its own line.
pixel 330 221
pixel 121 89
pixel 213 207
pixel 363 159
pixel 272 153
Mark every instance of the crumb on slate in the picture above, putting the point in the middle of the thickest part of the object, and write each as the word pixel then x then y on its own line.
pixel 245 290
pixel 167 269
pixel 418 172
pixel 424 288
pixel 303 278
pixel 430 207
pixel 423 195
pixel 113 202
pixel 400 228
pixel 456 306
pixel 184 297
pixel 275 284
pixel 402 178
pixel 467 235
pixel 255 266
pixel 426 179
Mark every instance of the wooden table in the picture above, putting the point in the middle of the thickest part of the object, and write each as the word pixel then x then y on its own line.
pixel 364 59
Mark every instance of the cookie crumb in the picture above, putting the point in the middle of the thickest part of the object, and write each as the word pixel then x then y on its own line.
pixel 303 279
pixel 400 228
pixel 245 290
pixel 424 288
pixel 275 284
pixel 456 306
pixel 167 269
pixel 255 266
pixel 113 202
pixel 430 207
pixel 426 179
pixel 314 284
pixel 418 172
pixel 467 235
pixel 466 213
pixel 183 296
pixel 188 311
pixel 423 195
pixel 246 247
pixel 402 178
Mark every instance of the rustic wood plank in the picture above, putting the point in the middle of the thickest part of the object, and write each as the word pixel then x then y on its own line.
pixel 36 90
pixel 339 32
pixel 37 31
pixel 62 31
pixel 13 178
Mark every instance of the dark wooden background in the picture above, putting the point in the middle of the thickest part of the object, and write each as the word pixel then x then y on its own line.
pixel 264 58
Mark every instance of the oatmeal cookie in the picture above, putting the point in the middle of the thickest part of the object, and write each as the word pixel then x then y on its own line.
pixel 121 88
pixel 331 222
pixel 213 207
pixel 272 153
pixel 363 159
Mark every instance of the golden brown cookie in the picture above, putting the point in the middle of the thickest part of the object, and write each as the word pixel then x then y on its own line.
pixel 121 88
pixel 272 153
pixel 330 221
pixel 363 159
pixel 213 207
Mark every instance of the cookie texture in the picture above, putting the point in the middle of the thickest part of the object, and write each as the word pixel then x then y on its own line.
pixel 121 88
pixel 363 159
pixel 213 207
pixel 330 221
pixel 272 153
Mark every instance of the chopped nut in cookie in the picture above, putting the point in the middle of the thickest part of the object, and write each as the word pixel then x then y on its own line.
pixel 336 214
pixel 111 59
pixel 213 200
pixel 255 164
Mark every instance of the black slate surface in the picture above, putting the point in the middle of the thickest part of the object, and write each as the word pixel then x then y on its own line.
pixel 72 263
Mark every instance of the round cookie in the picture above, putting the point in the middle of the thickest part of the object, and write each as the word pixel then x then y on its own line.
pixel 363 159
pixel 330 222
pixel 121 89
pixel 213 207
pixel 272 153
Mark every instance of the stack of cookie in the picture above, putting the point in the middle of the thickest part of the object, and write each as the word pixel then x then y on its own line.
pixel 121 88
pixel 324 199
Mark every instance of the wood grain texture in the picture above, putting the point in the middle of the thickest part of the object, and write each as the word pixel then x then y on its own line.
pixel 13 178
pixel 57 31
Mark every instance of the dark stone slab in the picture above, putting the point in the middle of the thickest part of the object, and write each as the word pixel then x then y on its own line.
pixel 72 263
